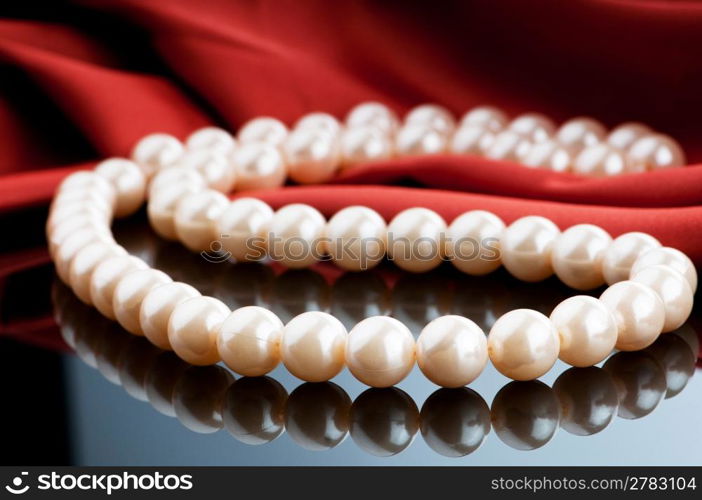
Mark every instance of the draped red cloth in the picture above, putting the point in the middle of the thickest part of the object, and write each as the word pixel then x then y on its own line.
pixel 87 80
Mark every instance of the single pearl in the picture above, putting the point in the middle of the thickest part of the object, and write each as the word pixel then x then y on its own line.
pixel 550 155
pixel 166 178
pixel 380 351
pixel 295 236
pixel 508 145
pixel 84 263
pixel 579 133
pixel 654 152
pixel 74 244
pixel 602 160
pixel 415 239
pixel 586 329
pixel 156 309
pixel 212 139
pixel 241 228
pixel 356 238
pixel 434 116
pixel 129 294
pixel 623 252
pixel 258 165
pixel 488 117
pixel 105 278
pixel 526 247
pixel 626 134
pixel 162 206
pixel 196 217
pixel 674 291
pixel 248 341
pixel 313 346
pixel 263 129
pixel 667 256
pixel 312 155
pixel 638 311
pixel 473 242
pixel 192 329
pixel 156 151
pixel 363 144
pixel 323 122
pixel 577 256
pixel 372 114
pixel 420 139
pixel 523 344
pixel 452 351
pixel 129 183
pixel 533 126
pixel 471 139
pixel 214 168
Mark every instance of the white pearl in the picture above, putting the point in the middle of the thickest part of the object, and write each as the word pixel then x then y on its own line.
pixel 380 351
pixel 674 291
pixel 533 126
pixel 654 152
pixel 549 155
pixel 156 309
pixel 523 344
pixel 196 217
pixel 72 245
pixel 601 160
pixel 580 132
pixel 156 151
pixel 313 346
pixel 84 263
pixel 623 252
pixel 86 181
pixel 577 256
pixel 414 239
pixel 420 139
pixel 192 329
pixel 295 235
pixel 490 118
pixel 312 155
pixel 129 183
pixel 473 242
pixel 129 294
pixel 162 206
pixel 61 231
pixel 241 228
pixel 626 134
pixel 508 145
pixel 638 311
pixel 356 238
pixel 263 129
pixel 320 122
pixel 667 256
pixel 105 277
pixel 452 351
pixel 258 165
pixel 372 114
pixel 586 329
pixel 526 247
pixel 433 116
pixel 165 179
pixel 212 139
pixel 214 168
pixel 248 341
pixel 362 144
pixel 471 139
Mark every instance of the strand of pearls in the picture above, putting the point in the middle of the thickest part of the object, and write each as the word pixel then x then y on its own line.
pixel 651 288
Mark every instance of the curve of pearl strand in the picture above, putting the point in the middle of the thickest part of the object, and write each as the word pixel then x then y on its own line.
pixel 651 288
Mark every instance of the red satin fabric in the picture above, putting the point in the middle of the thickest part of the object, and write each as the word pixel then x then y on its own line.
pixel 104 73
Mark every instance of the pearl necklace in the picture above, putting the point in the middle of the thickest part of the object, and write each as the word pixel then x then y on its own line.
pixel 651 287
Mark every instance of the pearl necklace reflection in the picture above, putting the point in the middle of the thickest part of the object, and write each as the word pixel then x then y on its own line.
pixel 453 422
